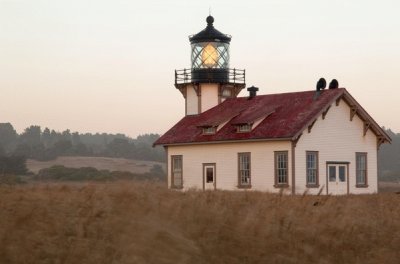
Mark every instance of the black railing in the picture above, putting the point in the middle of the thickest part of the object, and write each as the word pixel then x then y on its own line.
pixel 234 76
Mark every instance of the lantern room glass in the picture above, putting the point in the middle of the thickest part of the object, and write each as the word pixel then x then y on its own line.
pixel 210 55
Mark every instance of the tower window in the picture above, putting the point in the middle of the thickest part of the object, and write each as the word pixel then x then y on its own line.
pixel 226 93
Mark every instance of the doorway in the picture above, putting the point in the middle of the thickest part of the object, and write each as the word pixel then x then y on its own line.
pixel 337 178
pixel 209 176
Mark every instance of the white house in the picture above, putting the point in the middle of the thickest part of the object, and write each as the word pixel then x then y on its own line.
pixel 318 141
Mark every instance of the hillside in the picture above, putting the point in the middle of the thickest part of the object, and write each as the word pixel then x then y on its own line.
pixel 100 163
pixel 127 222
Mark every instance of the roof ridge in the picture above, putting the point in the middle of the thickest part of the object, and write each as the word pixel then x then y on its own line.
pixel 287 93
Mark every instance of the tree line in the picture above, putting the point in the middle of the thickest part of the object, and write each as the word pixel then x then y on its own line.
pixel 47 144
pixel 389 158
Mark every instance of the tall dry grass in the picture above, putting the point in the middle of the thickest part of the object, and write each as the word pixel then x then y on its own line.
pixel 127 222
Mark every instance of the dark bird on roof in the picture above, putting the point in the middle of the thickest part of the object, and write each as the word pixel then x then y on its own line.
pixel 321 84
pixel 334 84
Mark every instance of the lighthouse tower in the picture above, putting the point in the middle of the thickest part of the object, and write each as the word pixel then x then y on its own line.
pixel 209 81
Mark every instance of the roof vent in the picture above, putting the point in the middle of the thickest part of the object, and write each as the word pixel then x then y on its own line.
pixel 334 84
pixel 321 84
pixel 252 91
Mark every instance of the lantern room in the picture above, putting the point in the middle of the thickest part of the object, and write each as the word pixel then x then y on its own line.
pixel 210 80
pixel 210 48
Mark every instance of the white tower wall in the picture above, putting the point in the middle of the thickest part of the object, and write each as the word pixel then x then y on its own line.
pixel 209 96
pixel 192 101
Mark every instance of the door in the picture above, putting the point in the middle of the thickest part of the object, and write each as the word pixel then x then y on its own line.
pixel 337 178
pixel 209 180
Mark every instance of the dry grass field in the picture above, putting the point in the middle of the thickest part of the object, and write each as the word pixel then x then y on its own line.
pixel 100 163
pixel 139 222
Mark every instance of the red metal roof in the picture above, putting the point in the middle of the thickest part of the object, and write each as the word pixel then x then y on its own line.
pixel 286 115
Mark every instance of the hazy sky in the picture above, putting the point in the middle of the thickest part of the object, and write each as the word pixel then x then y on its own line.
pixel 108 66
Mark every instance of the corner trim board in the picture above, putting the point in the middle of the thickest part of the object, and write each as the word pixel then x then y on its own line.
pixel 294 167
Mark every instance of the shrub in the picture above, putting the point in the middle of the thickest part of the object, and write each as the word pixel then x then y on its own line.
pixel 10 179
pixel 61 173
pixel 13 165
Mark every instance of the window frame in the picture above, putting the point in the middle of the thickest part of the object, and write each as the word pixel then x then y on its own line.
pixel 316 183
pixel 173 157
pixel 365 183
pixel 240 184
pixel 276 168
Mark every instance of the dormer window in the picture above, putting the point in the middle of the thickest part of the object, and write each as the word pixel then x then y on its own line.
pixel 244 128
pixel 209 130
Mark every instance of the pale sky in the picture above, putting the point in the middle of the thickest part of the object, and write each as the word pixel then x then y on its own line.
pixel 108 65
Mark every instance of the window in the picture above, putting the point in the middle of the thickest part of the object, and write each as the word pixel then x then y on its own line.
pixel 342 173
pixel 244 128
pixel 210 55
pixel 209 130
pixel 176 169
pixel 244 170
pixel 209 174
pixel 332 173
pixel 281 168
pixel 226 93
pixel 361 169
pixel 312 168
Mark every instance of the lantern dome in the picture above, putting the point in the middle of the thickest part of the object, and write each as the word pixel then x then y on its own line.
pixel 210 34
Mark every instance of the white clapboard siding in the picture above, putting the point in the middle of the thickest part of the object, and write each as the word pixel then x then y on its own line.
pixel 225 156
pixel 336 138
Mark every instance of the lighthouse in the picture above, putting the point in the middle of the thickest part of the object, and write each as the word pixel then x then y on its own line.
pixel 210 80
